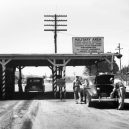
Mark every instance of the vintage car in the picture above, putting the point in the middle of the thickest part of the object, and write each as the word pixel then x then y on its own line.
pixel 35 84
pixel 104 87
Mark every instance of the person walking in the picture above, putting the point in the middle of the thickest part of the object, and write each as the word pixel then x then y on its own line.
pixel 76 89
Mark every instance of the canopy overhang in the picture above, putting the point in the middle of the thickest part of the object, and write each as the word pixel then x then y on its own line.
pixel 50 59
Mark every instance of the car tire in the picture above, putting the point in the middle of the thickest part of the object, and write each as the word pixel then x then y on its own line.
pixel 121 98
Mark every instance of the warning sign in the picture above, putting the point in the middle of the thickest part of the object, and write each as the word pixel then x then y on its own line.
pixel 88 45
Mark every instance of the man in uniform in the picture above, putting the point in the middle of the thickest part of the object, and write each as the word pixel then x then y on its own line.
pixel 76 89
pixel 84 89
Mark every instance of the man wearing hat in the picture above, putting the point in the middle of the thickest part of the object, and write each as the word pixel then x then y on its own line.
pixel 76 89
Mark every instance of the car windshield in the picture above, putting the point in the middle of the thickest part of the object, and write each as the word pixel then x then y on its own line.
pixel 34 80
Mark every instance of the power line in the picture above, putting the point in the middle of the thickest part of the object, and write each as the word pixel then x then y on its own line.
pixel 119 49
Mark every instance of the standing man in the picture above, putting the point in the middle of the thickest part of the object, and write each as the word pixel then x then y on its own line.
pixel 76 89
pixel 84 89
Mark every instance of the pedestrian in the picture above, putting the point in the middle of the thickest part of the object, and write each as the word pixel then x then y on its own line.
pixel 76 89
pixel 85 86
pixel 117 83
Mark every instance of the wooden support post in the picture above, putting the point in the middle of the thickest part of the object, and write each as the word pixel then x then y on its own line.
pixel 55 79
pixel 57 70
pixel 3 81
pixel 20 80
pixel 4 62
pixel 64 75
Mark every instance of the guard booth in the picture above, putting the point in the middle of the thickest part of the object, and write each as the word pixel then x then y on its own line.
pixel 56 62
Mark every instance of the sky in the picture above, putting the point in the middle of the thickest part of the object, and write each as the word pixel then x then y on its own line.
pixel 22 25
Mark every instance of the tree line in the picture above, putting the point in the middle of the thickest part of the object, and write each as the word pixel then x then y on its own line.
pixel 101 67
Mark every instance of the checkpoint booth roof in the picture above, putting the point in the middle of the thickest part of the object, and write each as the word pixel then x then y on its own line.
pixel 86 51
pixel 56 62
pixel 55 59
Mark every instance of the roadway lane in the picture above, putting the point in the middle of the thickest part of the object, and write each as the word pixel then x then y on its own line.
pixel 44 113
pixel 57 114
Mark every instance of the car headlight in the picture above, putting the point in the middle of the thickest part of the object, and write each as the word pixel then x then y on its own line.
pixel 98 88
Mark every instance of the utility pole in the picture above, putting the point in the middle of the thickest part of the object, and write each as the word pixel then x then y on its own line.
pixel 55 19
pixel 119 48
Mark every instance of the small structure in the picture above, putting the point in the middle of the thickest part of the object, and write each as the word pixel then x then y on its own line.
pixel 56 62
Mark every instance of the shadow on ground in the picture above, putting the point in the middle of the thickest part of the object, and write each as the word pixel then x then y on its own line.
pixel 69 95
pixel 38 95
pixel 108 105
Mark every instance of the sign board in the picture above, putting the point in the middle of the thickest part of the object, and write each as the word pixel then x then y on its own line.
pixel 88 45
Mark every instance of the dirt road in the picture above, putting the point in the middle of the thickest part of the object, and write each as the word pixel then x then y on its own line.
pixel 65 114
pixel 13 112
pixel 57 114
pixel 42 112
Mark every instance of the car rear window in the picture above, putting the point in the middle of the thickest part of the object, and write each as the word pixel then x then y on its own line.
pixel 104 79
pixel 34 80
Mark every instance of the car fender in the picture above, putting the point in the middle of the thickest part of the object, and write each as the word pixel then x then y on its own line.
pixel 92 91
